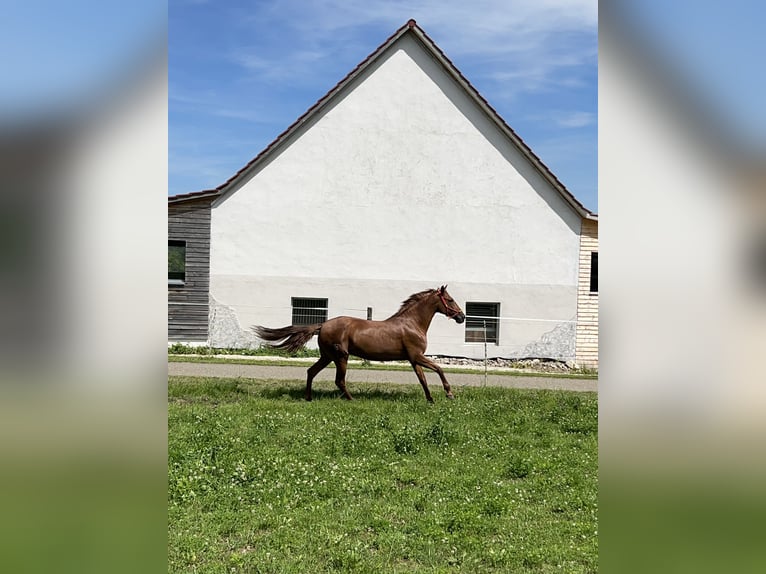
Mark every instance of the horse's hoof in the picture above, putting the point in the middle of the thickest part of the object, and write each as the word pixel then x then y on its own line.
pixel 451 396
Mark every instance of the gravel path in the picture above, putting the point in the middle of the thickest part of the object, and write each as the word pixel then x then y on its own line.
pixel 358 375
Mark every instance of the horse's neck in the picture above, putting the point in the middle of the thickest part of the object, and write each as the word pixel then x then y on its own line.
pixel 423 314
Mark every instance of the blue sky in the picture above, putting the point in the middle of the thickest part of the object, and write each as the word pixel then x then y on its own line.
pixel 58 57
pixel 714 52
pixel 241 71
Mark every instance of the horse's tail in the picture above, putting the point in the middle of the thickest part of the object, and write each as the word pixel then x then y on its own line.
pixel 294 336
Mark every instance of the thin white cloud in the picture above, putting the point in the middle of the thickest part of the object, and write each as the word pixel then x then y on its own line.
pixel 265 68
pixel 181 96
pixel 213 103
pixel 251 61
pixel 246 114
pixel 576 120
pixel 566 119
pixel 474 25
pixel 278 57
pixel 536 45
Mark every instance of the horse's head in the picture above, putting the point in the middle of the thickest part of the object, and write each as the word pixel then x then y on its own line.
pixel 448 306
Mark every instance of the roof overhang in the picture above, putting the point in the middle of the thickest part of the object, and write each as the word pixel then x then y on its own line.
pixel 220 193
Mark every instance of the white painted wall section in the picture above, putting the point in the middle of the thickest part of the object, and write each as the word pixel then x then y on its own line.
pixel 401 181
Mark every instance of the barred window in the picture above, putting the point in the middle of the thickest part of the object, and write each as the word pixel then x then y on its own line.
pixel 309 311
pixel 482 322
pixel 176 261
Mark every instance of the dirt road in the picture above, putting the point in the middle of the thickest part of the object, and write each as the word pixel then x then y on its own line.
pixel 359 375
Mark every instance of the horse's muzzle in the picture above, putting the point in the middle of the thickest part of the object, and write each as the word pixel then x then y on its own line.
pixel 459 318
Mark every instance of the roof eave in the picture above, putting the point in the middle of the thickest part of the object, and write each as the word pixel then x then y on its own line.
pixel 233 183
pixel 193 196
pixel 452 70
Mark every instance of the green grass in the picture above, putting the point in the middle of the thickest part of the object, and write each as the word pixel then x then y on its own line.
pixel 262 350
pixel 498 480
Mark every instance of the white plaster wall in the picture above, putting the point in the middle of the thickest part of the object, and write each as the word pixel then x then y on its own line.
pixel 402 185
pixel 259 300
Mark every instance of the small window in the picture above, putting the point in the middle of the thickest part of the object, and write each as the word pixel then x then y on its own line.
pixel 309 311
pixel 482 322
pixel 594 272
pixel 176 261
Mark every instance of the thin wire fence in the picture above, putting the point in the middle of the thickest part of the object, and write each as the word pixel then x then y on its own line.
pixel 495 334
pixel 486 339
pixel 309 315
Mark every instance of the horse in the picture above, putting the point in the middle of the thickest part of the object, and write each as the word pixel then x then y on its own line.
pixel 400 337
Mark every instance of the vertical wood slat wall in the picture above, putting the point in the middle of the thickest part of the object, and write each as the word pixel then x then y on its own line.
pixel 188 304
pixel 586 343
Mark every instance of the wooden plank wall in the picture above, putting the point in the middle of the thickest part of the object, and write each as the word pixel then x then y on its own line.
pixel 188 304
pixel 586 343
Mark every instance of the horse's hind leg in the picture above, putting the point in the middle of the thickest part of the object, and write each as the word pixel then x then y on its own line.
pixel 341 364
pixel 313 371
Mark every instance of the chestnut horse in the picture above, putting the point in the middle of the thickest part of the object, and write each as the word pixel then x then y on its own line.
pixel 401 336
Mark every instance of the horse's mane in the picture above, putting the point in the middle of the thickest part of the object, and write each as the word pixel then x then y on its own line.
pixel 411 301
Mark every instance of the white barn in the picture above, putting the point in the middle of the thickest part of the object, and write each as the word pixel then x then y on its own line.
pixel 401 178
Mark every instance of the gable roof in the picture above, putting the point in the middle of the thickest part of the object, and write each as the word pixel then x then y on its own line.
pixel 193 196
pixel 410 28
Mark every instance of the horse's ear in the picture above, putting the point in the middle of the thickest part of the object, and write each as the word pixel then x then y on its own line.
pixel 442 289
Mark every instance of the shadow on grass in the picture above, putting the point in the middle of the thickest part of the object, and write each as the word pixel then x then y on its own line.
pixel 201 389
pixel 360 393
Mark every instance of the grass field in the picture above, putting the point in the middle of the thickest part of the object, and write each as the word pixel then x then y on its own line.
pixel 498 480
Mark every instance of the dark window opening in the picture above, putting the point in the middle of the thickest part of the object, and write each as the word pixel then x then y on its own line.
pixel 309 311
pixel 176 260
pixel 482 322
pixel 594 272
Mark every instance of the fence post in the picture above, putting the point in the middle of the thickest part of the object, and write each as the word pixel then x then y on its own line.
pixel 369 313
pixel 485 351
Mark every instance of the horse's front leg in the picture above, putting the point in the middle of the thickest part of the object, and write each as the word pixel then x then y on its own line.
pixel 429 364
pixel 422 378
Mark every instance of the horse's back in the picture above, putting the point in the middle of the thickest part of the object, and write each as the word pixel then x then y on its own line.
pixel 376 340
pixel 340 328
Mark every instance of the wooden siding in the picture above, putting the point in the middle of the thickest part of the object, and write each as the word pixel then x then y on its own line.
pixel 188 304
pixel 586 344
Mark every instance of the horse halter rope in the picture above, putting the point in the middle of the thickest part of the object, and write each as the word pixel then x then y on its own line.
pixel 450 311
